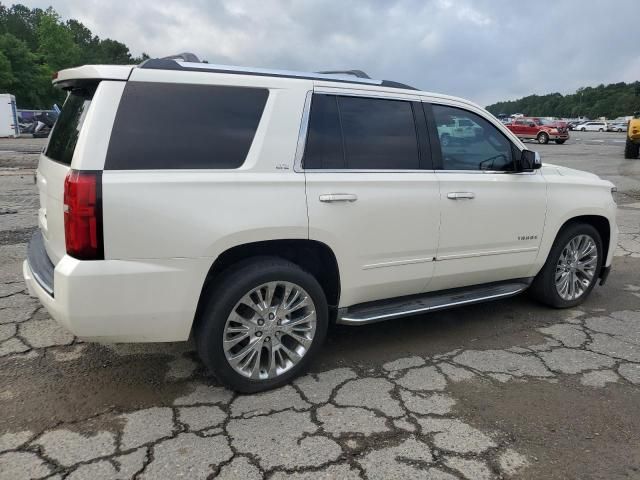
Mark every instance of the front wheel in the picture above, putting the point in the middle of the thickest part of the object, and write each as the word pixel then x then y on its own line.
pixel 262 322
pixel 572 267
pixel 583 129
pixel 543 138
pixel 601 130
pixel 560 142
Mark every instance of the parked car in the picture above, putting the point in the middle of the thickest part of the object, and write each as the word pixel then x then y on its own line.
pixel 533 128
pixel 296 200
pixel 617 127
pixel 593 126
pixel 458 130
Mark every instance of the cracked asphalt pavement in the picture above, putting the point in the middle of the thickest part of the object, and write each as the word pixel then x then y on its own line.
pixel 508 389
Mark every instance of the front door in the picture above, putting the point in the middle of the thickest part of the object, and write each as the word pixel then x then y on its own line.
pixel 491 219
pixel 372 196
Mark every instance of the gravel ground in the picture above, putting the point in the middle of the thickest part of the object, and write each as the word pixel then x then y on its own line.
pixel 501 390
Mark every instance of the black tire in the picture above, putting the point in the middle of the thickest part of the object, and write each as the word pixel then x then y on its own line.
pixel 222 296
pixel 543 287
pixel 560 142
pixel 543 138
pixel 583 129
pixel 631 149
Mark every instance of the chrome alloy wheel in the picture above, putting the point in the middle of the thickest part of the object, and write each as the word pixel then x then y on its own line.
pixel 269 330
pixel 576 268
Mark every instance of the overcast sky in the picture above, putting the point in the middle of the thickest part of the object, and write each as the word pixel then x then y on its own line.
pixel 484 50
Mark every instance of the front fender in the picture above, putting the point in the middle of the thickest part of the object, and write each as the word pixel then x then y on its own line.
pixel 570 198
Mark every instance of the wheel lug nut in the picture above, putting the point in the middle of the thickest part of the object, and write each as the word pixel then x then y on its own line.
pixel 258 334
pixel 268 339
pixel 261 322
pixel 271 316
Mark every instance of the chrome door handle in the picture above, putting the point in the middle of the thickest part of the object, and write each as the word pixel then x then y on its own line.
pixel 338 197
pixel 461 195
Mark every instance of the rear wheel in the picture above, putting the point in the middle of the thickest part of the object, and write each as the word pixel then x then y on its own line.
pixel 631 149
pixel 572 267
pixel 262 323
pixel 601 130
pixel 583 129
pixel 543 138
pixel 560 142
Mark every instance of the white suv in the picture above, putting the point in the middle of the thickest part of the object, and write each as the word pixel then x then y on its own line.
pixel 593 127
pixel 254 207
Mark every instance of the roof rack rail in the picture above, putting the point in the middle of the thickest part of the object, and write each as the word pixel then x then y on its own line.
pixel 355 73
pixel 191 63
pixel 184 56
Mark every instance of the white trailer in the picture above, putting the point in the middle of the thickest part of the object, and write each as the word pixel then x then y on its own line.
pixel 8 116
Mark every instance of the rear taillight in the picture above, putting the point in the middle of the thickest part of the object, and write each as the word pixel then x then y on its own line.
pixel 83 215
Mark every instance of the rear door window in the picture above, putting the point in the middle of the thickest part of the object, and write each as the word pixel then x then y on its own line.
pixel 361 133
pixel 324 148
pixel 182 126
pixel 63 139
pixel 378 134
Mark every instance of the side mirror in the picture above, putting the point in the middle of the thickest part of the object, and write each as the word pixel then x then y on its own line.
pixel 529 161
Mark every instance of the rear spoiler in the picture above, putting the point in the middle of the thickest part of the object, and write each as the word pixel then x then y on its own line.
pixel 79 76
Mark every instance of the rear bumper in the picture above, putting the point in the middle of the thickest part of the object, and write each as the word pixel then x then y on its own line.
pixel 123 300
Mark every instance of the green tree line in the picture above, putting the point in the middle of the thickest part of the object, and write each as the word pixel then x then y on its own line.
pixel 610 101
pixel 36 43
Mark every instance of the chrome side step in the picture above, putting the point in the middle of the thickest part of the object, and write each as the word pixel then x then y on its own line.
pixel 405 306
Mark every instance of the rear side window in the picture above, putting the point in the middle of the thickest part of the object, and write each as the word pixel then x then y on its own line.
pixel 179 126
pixel 324 141
pixel 361 133
pixel 64 136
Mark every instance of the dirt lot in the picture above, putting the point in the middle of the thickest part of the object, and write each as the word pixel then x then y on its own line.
pixel 500 390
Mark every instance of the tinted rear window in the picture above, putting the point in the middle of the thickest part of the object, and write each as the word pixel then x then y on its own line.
pixel 324 140
pixel 378 134
pixel 177 126
pixel 361 133
pixel 64 136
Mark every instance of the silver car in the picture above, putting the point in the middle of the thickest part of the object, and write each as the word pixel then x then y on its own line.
pixel 617 127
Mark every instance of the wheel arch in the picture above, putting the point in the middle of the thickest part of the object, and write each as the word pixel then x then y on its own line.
pixel 315 257
pixel 599 222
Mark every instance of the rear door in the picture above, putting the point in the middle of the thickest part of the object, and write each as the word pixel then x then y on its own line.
pixel 529 128
pixel 55 163
pixel 371 192
pixel 79 140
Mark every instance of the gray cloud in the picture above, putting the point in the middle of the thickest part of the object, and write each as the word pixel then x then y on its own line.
pixel 485 50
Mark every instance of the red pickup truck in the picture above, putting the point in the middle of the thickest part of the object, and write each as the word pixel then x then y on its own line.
pixel 539 129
